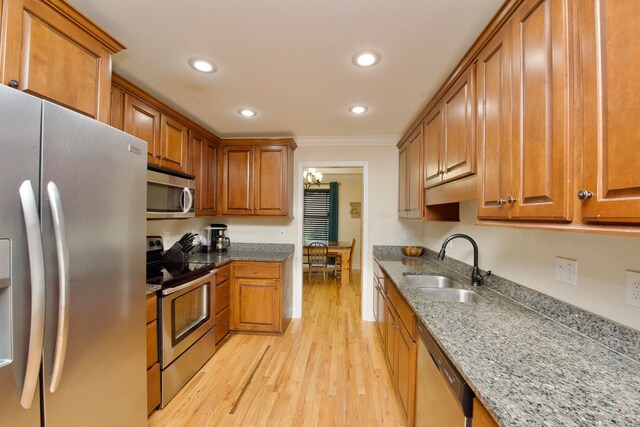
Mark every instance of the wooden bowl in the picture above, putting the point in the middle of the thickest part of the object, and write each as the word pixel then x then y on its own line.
pixel 412 250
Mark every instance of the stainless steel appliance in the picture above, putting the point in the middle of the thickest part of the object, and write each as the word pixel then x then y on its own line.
pixel 170 194
pixel 443 398
pixel 215 239
pixel 186 315
pixel 72 320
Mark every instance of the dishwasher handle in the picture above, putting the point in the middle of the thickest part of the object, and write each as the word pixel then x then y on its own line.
pixel 460 389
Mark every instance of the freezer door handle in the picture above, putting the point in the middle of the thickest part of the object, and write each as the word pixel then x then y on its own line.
pixel 36 270
pixel 62 253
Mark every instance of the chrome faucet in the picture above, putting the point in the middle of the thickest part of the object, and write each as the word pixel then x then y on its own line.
pixel 476 277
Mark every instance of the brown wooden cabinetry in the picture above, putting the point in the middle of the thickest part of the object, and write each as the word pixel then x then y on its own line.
pixel 174 138
pixel 256 297
pixel 203 155
pixel 379 301
pixel 153 367
pixel 223 285
pixel 143 121
pixel 523 110
pixel 481 417
pixel 257 177
pixel 411 188
pixel 609 32
pixel 51 51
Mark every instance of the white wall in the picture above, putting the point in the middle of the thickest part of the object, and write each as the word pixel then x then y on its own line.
pixel 528 257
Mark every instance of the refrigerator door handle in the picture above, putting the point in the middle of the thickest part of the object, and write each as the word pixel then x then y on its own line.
pixel 36 270
pixel 62 252
pixel 187 207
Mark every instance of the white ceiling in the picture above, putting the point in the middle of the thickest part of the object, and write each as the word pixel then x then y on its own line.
pixel 290 60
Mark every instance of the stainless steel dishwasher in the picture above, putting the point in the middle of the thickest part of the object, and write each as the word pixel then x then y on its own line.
pixel 443 398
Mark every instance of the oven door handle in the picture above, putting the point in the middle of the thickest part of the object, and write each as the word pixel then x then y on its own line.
pixel 192 284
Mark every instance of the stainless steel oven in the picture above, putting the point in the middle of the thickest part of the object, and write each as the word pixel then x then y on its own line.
pixel 187 336
pixel 170 195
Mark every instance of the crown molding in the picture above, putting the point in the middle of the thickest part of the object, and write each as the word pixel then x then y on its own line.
pixel 324 141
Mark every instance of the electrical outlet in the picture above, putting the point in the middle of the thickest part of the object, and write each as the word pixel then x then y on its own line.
pixel 632 293
pixel 567 271
pixel 282 233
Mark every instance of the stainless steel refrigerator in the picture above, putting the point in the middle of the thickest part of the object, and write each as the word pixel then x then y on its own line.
pixel 72 268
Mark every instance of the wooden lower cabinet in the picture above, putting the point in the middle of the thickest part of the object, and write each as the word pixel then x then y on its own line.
pixel 153 367
pixel 481 417
pixel 223 298
pixel 256 297
pixel 401 351
pixel 222 324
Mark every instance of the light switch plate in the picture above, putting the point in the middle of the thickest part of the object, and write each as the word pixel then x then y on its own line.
pixel 567 271
pixel 632 292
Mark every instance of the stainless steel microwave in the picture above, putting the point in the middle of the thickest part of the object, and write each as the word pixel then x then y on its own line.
pixel 170 195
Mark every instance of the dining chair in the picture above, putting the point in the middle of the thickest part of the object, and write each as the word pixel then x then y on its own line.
pixel 317 258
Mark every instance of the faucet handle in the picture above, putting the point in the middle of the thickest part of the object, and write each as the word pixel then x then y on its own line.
pixel 488 273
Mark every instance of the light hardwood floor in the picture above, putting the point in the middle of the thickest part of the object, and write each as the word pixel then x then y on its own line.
pixel 327 370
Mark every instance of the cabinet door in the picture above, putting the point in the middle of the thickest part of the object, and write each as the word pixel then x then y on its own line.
pixel 174 138
pixel 390 323
pixel 380 312
pixel 402 181
pixel 458 148
pixel 255 305
pixel 210 198
pixel 433 147
pixel 52 58
pixel 237 180
pixel 197 167
pixel 610 51
pixel 406 372
pixel 271 180
pixel 143 121
pixel 415 194
pixel 117 108
pixel 493 110
pixel 541 161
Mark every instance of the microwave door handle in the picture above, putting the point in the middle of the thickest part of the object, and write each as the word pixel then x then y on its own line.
pixel 36 270
pixel 62 253
pixel 186 207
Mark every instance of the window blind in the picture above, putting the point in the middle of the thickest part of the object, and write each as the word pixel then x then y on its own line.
pixel 316 215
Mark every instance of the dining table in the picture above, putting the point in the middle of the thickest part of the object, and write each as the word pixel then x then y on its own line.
pixel 340 248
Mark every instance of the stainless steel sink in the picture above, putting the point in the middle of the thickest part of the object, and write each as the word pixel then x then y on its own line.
pixel 451 295
pixel 431 281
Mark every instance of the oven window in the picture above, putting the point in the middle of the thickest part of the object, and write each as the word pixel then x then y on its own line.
pixel 163 198
pixel 188 312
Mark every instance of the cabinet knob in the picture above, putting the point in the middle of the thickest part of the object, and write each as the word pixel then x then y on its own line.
pixel 14 84
pixel 511 200
pixel 584 194
pixel 501 201
pixel 255 272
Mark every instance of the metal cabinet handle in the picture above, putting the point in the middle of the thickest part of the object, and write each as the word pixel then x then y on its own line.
pixel 62 252
pixel 501 201
pixel 584 194
pixel 13 84
pixel 511 200
pixel 36 270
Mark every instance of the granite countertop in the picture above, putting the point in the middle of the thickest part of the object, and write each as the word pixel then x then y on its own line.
pixel 527 369
pixel 259 252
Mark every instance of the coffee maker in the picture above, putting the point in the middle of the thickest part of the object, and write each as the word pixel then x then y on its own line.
pixel 215 239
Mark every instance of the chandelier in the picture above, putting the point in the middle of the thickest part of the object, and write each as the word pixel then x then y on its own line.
pixel 311 177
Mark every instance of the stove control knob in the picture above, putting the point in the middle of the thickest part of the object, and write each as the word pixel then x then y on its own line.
pixel 152 243
pixel 158 243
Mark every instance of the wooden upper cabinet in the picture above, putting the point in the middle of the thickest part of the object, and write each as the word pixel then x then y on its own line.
pixel 143 121
pixel 433 144
pixel 493 109
pixel 257 177
pixel 174 138
pixel 271 180
pixel 402 181
pixel 203 165
pixel 117 108
pixel 51 51
pixel 237 179
pixel 458 144
pixel 415 195
pixel 541 160
pixel 611 161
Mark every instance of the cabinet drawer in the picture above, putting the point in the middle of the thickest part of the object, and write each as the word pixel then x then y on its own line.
pixel 257 270
pixel 405 312
pixel 153 387
pixel 223 274
pixel 222 296
pixel 222 324
pixel 152 343
pixel 152 307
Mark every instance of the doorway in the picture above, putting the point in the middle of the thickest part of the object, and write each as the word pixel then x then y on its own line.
pixel 351 181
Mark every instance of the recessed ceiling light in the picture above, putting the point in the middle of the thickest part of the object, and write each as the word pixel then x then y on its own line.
pixel 358 109
pixel 246 112
pixel 202 65
pixel 366 59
